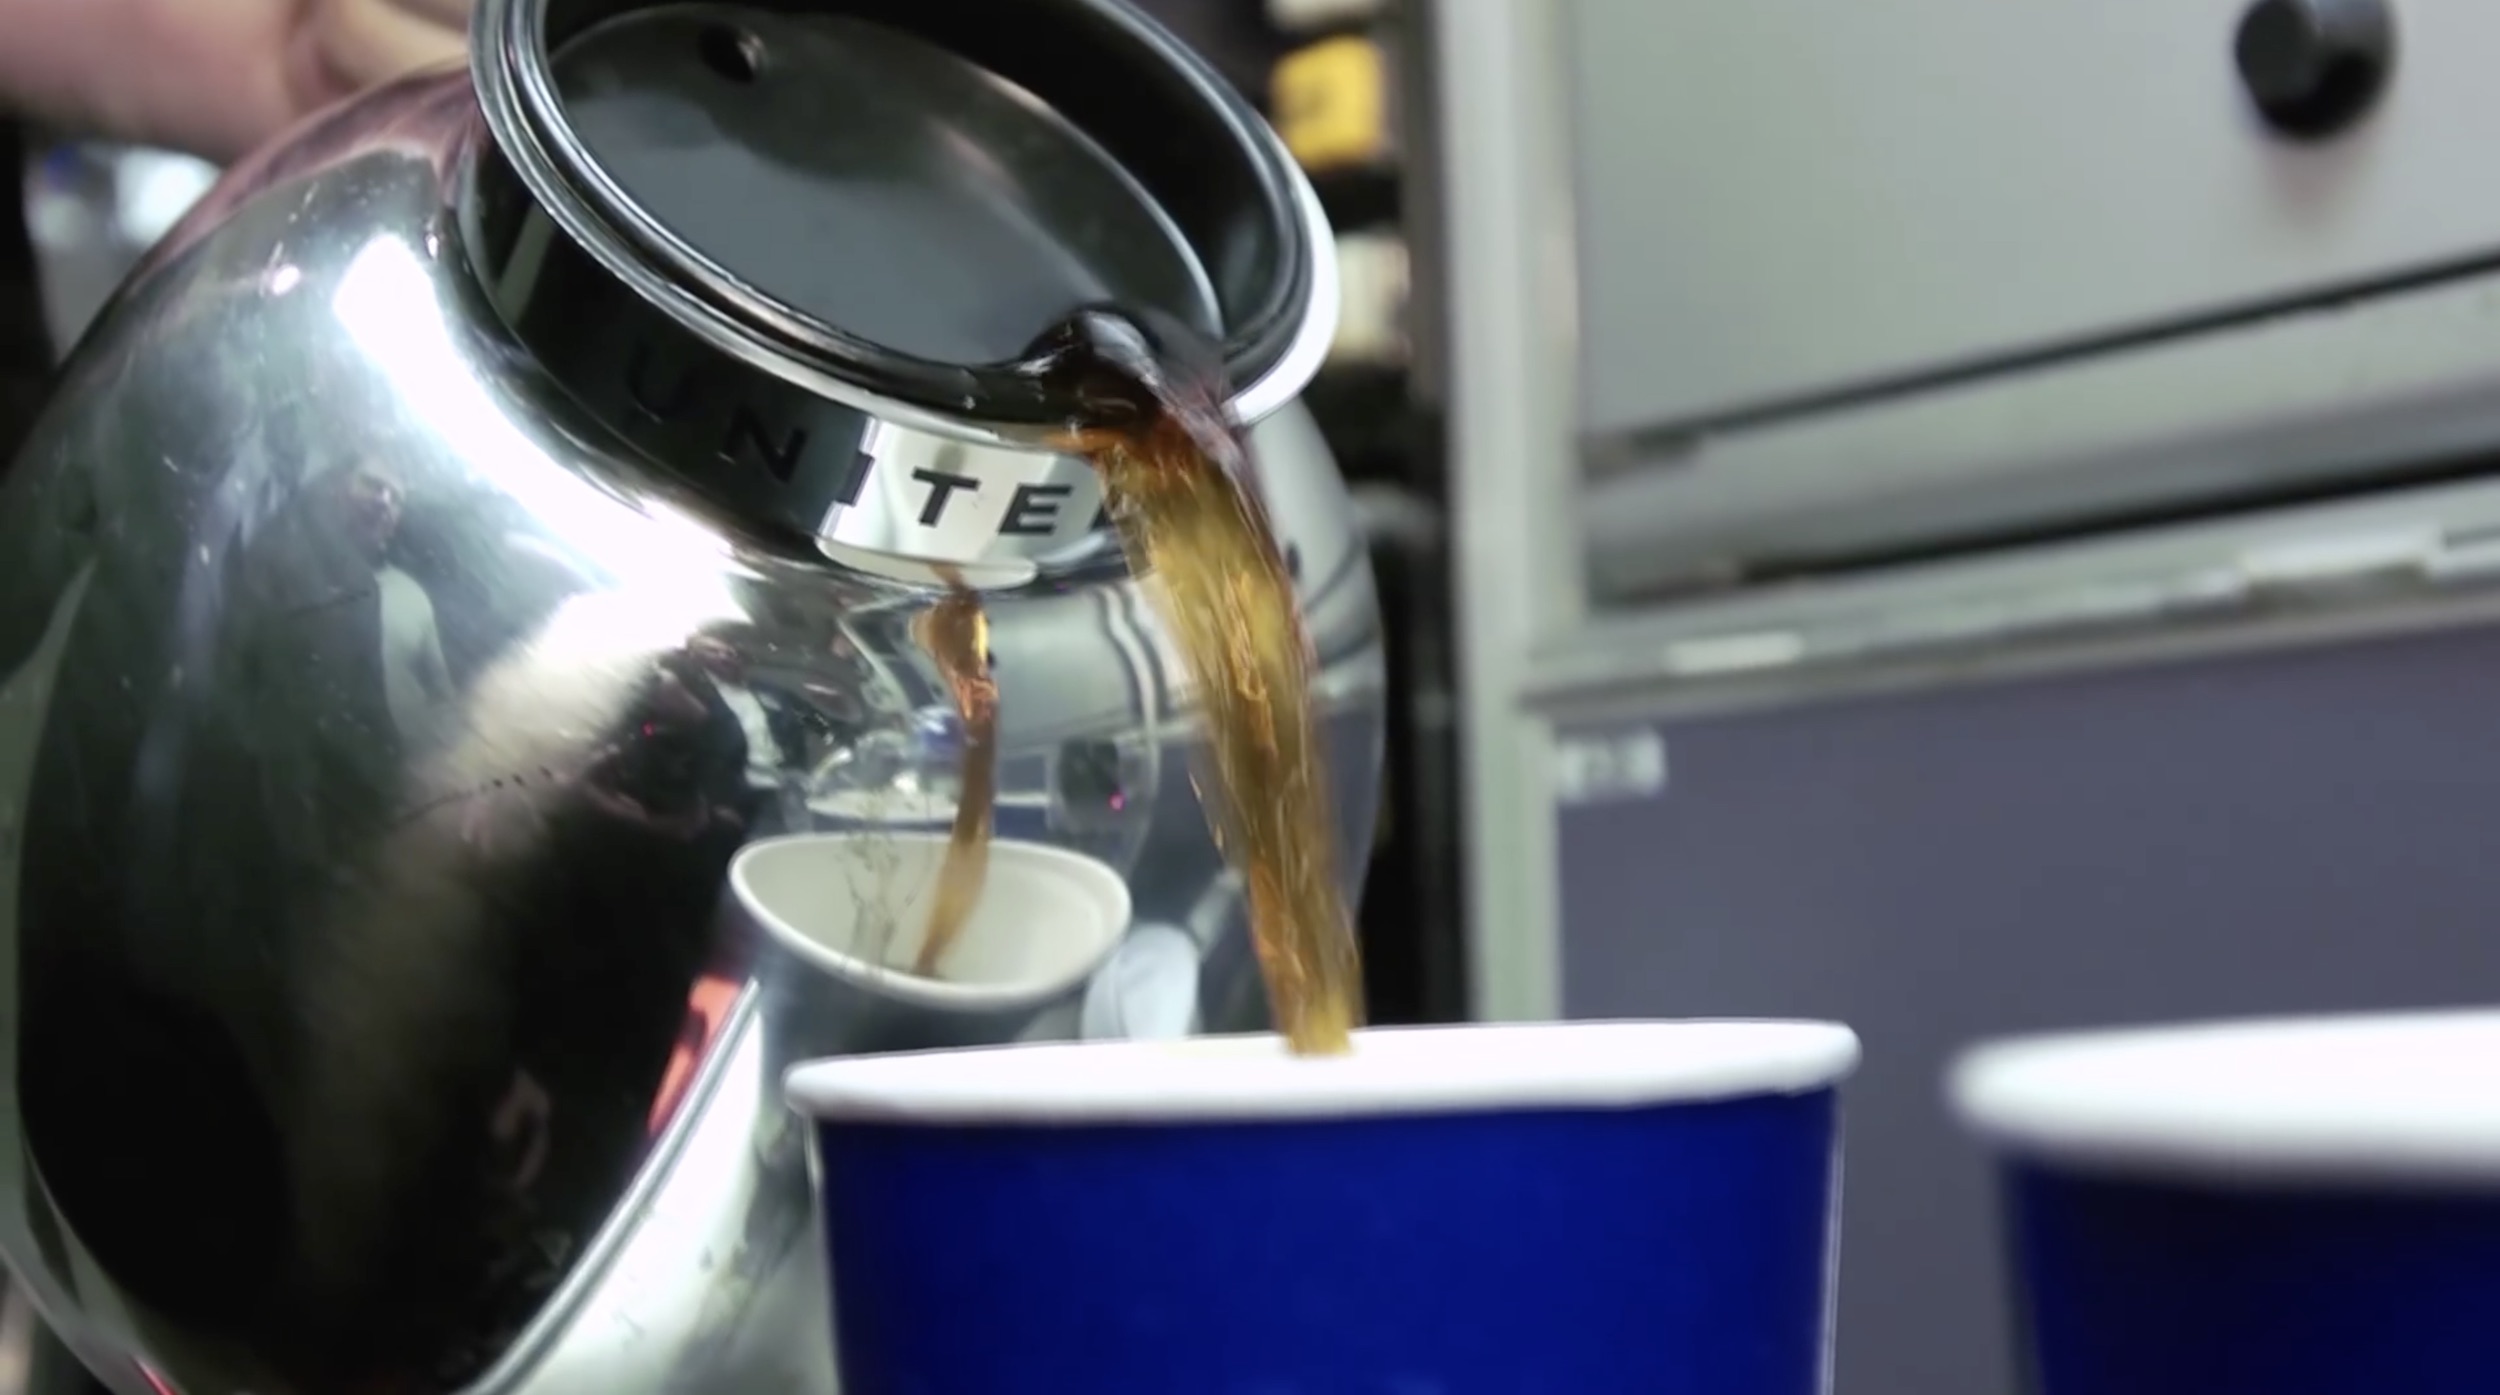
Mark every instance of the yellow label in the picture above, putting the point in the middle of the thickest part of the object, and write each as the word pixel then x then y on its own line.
pixel 1331 103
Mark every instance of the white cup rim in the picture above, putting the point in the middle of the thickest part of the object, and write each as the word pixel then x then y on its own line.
pixel 2407 1096
pixel 1392 1071
pixel 1091 879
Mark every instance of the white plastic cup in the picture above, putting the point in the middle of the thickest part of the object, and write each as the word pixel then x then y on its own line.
pixel 843 917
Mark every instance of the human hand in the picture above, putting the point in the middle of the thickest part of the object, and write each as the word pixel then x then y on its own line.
pixel 338 48
pixel 213 77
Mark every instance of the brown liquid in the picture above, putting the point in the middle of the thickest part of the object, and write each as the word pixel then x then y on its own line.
pixel 956 632
pixel 1173 476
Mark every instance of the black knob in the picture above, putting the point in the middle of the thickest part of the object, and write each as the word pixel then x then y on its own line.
pixel 2314 66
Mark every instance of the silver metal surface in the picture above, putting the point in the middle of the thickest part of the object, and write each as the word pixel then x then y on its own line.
pixel 1617 583
pixel 377 721
pixel 1514 469
pixel 2359 394
pixel 1891 214
pixel 2393 559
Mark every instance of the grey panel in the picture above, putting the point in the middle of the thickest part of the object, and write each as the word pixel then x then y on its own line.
pixel 2293 830
pixel 1784 199
pixel 2330 397
pixel 1514 570
pixel 2388 559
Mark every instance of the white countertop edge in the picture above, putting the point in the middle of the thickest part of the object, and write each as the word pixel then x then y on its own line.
pixel 2410 1098
pixel 1401 1071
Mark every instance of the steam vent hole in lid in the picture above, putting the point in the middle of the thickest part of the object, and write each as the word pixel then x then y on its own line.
pixel 871 180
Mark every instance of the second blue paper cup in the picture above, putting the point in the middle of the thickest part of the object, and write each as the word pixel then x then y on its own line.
pixel 2301 1205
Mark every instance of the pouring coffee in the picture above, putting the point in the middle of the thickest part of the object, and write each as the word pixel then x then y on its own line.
pixel 493 508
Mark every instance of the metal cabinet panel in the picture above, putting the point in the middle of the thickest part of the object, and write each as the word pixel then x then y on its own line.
pixel 1776 200
pixel 2322 401
pixel 2290 830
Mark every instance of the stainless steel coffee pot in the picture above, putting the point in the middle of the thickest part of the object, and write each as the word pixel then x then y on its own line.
pixel 496 504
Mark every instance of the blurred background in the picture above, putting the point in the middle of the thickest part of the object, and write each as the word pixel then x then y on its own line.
pixel 1955 517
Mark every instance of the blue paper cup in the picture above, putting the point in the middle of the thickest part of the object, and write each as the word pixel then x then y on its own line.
pixel 1584 1208
pixel 2302 1205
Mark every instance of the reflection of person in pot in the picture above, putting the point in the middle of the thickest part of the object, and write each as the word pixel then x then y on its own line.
pixel 635 870
pixel 679 770
pixel 335 682
pixel 252 980
pixel 370 501
pixel 775 731
pixel 331 603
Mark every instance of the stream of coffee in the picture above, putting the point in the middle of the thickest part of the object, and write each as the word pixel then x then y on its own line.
pixel 956 634
pixel 1175 480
